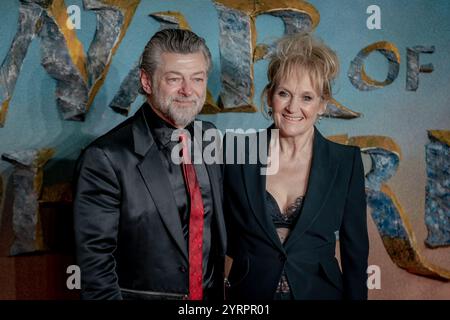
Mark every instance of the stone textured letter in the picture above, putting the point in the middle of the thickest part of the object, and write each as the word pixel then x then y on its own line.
pixel 27 182
pixel 437 194
pixel 414 67
pixel 357 74
pixel 30 20
pixel 392 223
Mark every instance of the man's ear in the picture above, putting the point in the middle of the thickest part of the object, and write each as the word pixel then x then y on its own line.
pixel 146 82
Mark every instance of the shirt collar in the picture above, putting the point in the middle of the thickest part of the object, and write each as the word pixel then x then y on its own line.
pixel 161 129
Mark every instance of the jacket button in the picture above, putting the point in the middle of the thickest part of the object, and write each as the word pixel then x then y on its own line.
pixel 282 257
pixel 183 269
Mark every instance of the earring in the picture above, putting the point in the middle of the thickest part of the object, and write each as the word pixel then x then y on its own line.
pixel 319 119
pixel 269 112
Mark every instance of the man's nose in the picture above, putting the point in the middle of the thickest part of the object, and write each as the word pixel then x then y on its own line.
pixel 186 88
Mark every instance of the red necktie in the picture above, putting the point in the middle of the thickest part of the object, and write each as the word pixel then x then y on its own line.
pixel 195 225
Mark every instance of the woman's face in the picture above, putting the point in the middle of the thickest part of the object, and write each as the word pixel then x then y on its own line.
pixel 296 105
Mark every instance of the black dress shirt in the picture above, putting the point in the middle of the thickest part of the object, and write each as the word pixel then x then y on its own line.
pixel 162 133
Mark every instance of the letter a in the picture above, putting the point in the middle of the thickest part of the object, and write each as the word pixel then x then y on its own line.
pixel 74 19
pixel 374 280
pixel 374 21
pixel 73 281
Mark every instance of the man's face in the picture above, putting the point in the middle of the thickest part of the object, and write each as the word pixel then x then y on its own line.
pixel 178 87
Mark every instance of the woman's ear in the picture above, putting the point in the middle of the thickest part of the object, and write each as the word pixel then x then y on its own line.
pixel 269 101
pixel 323 107
pixel 146 82
pixel 269 98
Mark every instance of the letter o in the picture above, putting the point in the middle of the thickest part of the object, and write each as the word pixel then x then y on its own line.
pixel 357 74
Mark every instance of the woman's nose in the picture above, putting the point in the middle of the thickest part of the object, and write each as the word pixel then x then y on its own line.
pixel 294 105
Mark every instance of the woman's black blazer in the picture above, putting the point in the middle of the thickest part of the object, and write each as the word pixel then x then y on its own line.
pixel 334 204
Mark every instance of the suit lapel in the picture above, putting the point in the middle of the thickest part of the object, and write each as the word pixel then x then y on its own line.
pixel 320 183
pixel 216 190
pixel 217 202
pixel 155 178
pixel 255 187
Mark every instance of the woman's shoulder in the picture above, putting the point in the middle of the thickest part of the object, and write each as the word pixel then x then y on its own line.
pixel 339 146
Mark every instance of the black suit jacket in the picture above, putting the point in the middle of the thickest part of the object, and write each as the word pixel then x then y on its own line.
pixel 127 226
pixel 334 201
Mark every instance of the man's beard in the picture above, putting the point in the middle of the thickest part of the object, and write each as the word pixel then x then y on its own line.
pixel 180 115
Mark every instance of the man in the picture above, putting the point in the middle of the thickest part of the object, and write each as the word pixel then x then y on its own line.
pixel 145 226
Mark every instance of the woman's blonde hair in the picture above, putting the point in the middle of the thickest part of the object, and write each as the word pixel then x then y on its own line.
pixel 298 53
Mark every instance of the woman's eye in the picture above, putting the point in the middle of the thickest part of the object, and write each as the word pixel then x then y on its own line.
pixel 283 94
pixel 307 98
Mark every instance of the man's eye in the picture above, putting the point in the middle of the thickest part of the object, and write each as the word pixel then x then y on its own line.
pixel 198 80
pixel 173 80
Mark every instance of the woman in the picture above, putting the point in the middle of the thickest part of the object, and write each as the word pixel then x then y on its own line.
pixel 282 227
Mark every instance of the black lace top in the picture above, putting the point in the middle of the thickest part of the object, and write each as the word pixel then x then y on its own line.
pixel 286 219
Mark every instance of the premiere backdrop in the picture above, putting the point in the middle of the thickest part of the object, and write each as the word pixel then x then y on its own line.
pixel 68 74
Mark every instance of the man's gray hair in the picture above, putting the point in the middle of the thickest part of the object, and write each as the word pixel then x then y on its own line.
pixel 172 41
